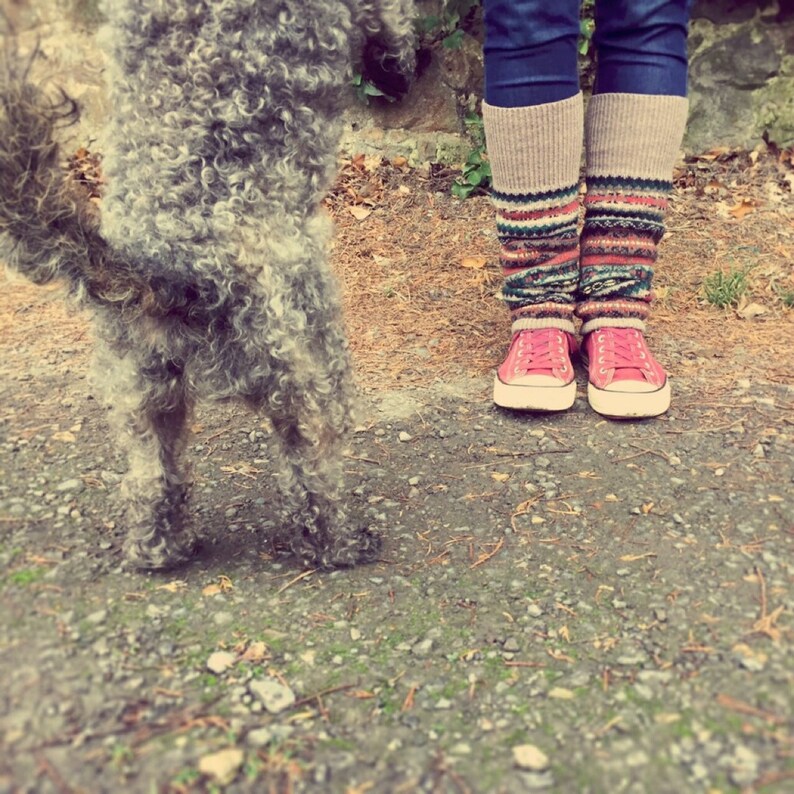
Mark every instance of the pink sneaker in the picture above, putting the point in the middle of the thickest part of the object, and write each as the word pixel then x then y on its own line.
pixel 537 374
pixel 625 379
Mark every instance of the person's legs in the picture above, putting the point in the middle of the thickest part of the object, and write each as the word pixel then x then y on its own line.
pixel 534 126
pixel 633 130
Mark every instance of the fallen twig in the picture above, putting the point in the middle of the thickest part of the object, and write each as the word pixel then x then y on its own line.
pixel 296 579
pixel 739 706
pixel 46 768
pixel 488 555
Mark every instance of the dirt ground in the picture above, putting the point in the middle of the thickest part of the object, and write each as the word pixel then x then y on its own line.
pixel 563 603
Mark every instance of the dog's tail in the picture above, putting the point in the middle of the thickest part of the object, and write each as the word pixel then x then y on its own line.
pixel 49 228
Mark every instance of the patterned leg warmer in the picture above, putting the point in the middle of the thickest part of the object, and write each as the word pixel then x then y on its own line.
pixel 535 153
pixel 632 141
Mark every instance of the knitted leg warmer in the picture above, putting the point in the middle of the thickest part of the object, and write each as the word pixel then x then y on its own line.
pixel 631 141
pixel 535 154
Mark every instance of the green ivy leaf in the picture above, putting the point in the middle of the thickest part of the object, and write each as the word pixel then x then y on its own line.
pixel 460 190
pixel 454 41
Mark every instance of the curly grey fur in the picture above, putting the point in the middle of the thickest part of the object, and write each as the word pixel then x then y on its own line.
pixel 207 272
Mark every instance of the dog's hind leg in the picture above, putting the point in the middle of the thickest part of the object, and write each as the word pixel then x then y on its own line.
pixel 150 411
pixel 311 483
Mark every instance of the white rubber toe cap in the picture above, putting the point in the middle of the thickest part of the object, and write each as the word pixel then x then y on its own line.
pixel 534 393
pixel 630 399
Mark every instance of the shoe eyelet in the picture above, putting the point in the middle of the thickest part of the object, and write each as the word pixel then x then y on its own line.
pixel 602 371
pixel 600 339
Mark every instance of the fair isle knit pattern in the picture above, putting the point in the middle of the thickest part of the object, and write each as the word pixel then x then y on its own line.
pixel 538 253
pixel 535 154
pixel 631 141
pixel 624 222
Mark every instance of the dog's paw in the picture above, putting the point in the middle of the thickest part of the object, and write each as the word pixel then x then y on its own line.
pixel 357 548
pixel 369 545
pixel 158 554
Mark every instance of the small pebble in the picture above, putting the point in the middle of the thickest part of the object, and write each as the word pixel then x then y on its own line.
pixel 222 766
pixel 273 695
pixel 220 661
pixel 259 737
pixel 530 757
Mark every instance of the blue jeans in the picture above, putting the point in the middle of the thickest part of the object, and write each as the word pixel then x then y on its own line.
pixel 531 49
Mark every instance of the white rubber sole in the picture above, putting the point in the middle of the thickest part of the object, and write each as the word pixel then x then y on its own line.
pixel 629 405
pixel 533 398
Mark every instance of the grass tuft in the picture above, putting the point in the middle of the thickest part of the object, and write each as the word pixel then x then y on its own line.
pixel 726 289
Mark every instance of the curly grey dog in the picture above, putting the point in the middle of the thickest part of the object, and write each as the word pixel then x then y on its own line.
pixel 207 271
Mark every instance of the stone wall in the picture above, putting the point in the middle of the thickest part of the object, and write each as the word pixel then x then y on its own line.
pixel 741 78
pixel 741 81
pixel 741 73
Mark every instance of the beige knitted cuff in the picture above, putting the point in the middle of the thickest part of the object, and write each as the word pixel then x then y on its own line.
pixel 611 322
pixel 637 135
pixel 532 323
pixel 537 148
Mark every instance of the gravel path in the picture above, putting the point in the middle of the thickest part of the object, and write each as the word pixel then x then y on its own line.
pixel 563 604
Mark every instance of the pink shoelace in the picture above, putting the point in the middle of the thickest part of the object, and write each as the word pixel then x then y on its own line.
pixel 541 352
pixel 623 350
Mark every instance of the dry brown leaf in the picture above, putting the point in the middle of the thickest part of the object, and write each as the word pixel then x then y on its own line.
pixel 211 590
pixel 65 436
pixel 255 652
pixel 716 153
pixel 751 310
pixel 750 655
pixel 172 587
pixel 743 208
pixel 500 476
pixel 359 213
pixel 766 624
pixel 473 262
